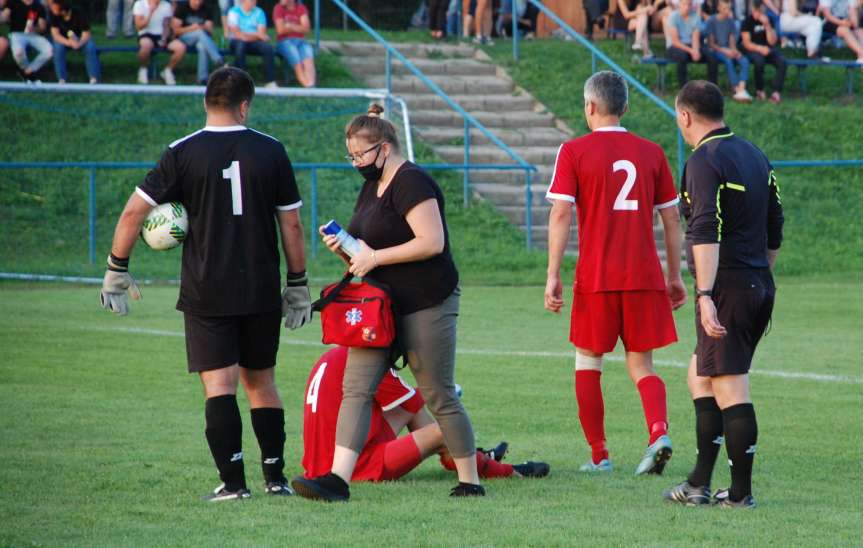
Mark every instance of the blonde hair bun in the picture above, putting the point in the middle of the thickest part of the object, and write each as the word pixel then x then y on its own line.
pixel 375 110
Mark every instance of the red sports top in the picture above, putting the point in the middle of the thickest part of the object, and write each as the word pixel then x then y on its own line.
pixel 616 180
pixel 321 412
pixel 292 16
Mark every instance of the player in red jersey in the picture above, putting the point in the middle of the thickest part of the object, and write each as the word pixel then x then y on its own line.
pixel 385 456
pixel 616 180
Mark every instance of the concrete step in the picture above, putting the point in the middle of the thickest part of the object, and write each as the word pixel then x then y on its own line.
pixel 449 118
pixel 540 136
pixel 491 154
pixel 507 102
pixel 510 195
pixel 376 65
pixel 515 178
pixel 449 84
pixel 429 51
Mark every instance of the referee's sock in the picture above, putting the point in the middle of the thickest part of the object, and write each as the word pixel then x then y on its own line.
pixel 269 426
pixel 591 411
pixel 708 439
pixel 225 436
pixel 741 436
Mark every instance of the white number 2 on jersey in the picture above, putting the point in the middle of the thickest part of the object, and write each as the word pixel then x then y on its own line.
pixel 621 203
pixel 315 387
pixel 233 173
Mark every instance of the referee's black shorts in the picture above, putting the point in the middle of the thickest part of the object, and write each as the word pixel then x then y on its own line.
pixel 214 342
pixel 744 303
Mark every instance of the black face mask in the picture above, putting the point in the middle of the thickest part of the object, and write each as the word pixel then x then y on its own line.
pixel 371 172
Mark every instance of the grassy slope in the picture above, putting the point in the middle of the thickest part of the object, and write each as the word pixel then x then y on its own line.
pixel 102 435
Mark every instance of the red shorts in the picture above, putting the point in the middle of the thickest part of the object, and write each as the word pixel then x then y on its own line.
pixel 642 319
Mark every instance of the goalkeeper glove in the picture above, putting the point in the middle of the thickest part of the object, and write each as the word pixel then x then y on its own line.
pixel 296 300
pixel 115 285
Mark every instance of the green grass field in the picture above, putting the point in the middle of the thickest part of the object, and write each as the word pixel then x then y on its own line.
pixel 103 442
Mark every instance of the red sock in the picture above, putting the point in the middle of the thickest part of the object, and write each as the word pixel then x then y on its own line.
pixel 400 457
pixel 490 468
pixel 446 460
pixel 591 411
pixel 652 391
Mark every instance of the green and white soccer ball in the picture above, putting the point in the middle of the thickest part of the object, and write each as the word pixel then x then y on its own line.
pixel 166 226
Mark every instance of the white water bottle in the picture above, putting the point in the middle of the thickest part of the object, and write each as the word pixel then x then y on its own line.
pixel 348 243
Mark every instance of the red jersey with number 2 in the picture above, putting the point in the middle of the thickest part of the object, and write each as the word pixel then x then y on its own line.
pixel 616 180
pixel 321 412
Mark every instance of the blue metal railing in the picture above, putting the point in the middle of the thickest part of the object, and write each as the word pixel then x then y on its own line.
pixel 596 53
pixel 311 167
pixel 469 120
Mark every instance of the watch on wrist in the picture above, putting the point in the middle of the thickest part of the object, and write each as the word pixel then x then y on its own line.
pixel 703 293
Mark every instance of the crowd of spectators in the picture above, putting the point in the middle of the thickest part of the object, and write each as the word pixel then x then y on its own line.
pixel 42 30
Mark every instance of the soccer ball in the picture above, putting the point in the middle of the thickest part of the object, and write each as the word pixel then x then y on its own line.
pixel 166 226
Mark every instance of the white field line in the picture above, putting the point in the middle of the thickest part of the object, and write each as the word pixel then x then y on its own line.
pixel 841 379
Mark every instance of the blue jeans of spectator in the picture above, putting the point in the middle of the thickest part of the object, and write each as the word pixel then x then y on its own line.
pixel 20 41
pixel 774 19
pixel 263 49
pixel 294 51
pixel 207 51
pixel 112 13
pixel 734 76
pixel 91 60
pixel 452 18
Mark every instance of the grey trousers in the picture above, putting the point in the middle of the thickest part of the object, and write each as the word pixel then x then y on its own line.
pixel 429 337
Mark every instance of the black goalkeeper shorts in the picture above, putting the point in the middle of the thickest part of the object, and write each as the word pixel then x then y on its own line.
pixel 744 303
pixel 214 342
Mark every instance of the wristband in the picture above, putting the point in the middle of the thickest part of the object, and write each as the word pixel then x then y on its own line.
pixel 297 279
pixel 117 264
pixel 703 292
pixel 374 258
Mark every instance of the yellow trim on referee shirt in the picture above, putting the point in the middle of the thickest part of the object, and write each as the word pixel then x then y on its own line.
pixel 719 214
pixel 735 186
pixel 773 182
pixel 723 136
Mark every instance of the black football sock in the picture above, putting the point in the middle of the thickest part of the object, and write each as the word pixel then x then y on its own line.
pixel 225 436
pixel 269 426
pixel 741 436
pixel 708 439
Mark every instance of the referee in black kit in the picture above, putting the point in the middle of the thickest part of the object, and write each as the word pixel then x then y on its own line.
pixel 733 214
pixel 238 187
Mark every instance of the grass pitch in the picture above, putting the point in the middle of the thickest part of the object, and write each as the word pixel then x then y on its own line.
pixel 103 443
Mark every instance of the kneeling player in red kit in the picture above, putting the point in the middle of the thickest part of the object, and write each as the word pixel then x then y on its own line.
pixel 385 456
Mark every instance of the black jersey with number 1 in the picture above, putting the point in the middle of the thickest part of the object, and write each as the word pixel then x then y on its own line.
pixel 232 181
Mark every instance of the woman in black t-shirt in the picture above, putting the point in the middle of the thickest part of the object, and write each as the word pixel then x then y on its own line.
pixel 400 223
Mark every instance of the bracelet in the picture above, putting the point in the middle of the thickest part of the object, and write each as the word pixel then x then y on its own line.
pixel 374 258
pixel 703 293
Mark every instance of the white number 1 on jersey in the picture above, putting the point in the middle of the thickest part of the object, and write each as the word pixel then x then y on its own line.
pixel 233 173
pixel 315 387
pixel 621 203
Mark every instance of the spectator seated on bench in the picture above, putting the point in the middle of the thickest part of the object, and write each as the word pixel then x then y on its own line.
pixel 843 19
pixel 292 24
pixel 153 20
pixel 684 43
pixel 722 41
pixel 193 25
pixel 70 30
pixel 761 45
pixel 27 22
pixel 247 24
pixel 634 16
pixel 807 25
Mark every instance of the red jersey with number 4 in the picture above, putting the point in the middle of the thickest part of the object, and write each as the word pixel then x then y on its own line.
pixel 321 412
pixel 616 180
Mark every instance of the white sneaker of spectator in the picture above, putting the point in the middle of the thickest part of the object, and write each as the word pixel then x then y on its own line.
pixel 168 77
pixel 742 96
pixel 272 85
pixel 142 76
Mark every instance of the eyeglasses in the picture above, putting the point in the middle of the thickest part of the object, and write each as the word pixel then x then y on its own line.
pixel 354 158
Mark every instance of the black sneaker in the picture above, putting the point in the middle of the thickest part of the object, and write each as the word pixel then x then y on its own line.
pixel 329 488
pixel 722 498
pixel 279 488
pixel 496 453
pixel 467 490
pixel 220 494
pixel 531 469
pixel 690 495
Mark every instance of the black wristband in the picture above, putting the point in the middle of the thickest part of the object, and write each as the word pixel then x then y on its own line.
pixel 118 264
pixel 297 279
pixel 703 293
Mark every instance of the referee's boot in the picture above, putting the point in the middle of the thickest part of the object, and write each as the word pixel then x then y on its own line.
pixel 328 488
pixel 655 457
pixel 722 499
pixel 221 494
pixel 690 495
